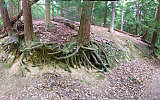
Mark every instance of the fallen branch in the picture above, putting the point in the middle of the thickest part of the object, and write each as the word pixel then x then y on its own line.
pixel 73 25
pixel 126 33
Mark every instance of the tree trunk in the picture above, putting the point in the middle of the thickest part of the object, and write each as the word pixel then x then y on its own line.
pixel 5 18
pixel 79 11
pixel 11 9
pixel 37 15
pixel 15 18
pixel 144 35
pixel 105 14
pixel 21 6
pixel 122 14
pixel 104 23
pixel 47 13
pixel 92 22
pixel 67 12
pixel 72 15
pixel 53 9
pixel 111 29
pixel 61 11
pixel 138 17
pixel 84 30
pixel 17 7
pixel 156 28
pixel 28 27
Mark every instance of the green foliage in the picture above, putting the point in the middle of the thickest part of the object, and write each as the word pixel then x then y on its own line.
pixel 41 12
pixel 100 77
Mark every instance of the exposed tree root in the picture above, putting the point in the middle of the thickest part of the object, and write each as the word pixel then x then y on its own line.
pixel 95 55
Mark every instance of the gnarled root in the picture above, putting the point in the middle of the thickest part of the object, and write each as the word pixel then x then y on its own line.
pixel 93 56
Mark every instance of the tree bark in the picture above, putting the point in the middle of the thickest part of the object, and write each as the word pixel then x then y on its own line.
pixel 5 18
pixel 138 17
pixel 66 10
pixel 37 15
pixel 53 9
pixel 84 30
pixel 144 35
pixel 72 15
pixel 61 11
pixel 47 13
pixel 105 14
pixel 18 6
pixel 28 27
pixel 79 11
pixel 11 9
pixel 111 29
pixel 15 18
pixel 155 33
pixel 122 14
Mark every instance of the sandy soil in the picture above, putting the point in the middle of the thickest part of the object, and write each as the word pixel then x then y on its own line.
pixel 137 80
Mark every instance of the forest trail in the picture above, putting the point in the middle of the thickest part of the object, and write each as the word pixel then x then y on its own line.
pixel 138 78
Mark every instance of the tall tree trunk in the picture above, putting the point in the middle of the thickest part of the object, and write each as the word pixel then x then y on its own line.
pixel 92 8
pixel 105 14
pixel 67 12
pixel 72 15
pixel 104 23
pixel 53 9
pixel 84 30
pixel 18 6
pixel 21 6
pixel 78 17
pixel 155 33
pixel 47 13
pixel 28 27
pixel 11 9
pixel 138 17
pixel 122 14
pixel 61 11
pixel 37 14
pixel 15 18
pixel 56 12
pixel 111 29
pixel 5 18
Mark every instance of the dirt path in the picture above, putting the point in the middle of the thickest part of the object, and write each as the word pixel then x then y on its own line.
pixel 138 79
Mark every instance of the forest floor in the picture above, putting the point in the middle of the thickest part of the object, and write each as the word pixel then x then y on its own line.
pixel 135 78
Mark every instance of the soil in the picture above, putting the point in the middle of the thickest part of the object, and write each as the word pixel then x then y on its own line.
pixel 135 78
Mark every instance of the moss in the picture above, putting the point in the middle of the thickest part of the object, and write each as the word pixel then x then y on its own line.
pixel 100 77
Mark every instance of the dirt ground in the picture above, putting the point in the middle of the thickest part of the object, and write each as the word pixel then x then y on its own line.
pixel 135 78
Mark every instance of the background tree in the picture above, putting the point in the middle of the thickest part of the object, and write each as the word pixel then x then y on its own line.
pixel 138 17
pixel 47 13
pixel 61 10
pixel 122 14
pixel 11 9
pixel 105 14
pixel 67 10
pixel 37 9
pixel 5 18
pixel 111 28
pixel 157 27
